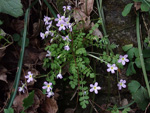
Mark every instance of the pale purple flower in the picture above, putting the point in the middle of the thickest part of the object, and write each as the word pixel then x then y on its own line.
pixel 59 18
pixel 67 48
pixel 46 20
pixel 49 25
pixel 29 77
pixel 121 84
pixel 95 87
pixel 47 86
pixel 47 33
pixel 22 88
pixel 69 7
pixel 59 76
pixel 123 59
pixel 66 38
pixel 51 40
pixel 49 94
pixel 42 35
pixel 64 7
pixel 112 68
pixel 48 54
pixel 61 26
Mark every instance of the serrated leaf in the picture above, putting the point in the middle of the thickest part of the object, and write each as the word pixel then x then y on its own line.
pixel 127 47
pixel 144 7
pixel 27 102
pixel 133 86
pixel 11 7
pixel 138 62
pixel 130 69
pixel 127 9
pixel 9 110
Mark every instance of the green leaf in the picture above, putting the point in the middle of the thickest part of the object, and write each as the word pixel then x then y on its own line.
pixel 144 7
pixel 133 86
pixel 27 102
pixel 127 9
pixel 26 43
pixel 130 69
pixel 81 51
pixel 11 7
pixel 127 47
pixel 147 64
pixel 146 53
pixel 148 0
pixel 133 52
pixel 16 37
pixel 138 62
pixel 9 110
pixel 126 110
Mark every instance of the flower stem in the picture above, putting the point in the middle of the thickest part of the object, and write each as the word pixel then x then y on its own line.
pixel 140 53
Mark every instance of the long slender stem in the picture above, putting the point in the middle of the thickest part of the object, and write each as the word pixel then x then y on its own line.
pixel 140 53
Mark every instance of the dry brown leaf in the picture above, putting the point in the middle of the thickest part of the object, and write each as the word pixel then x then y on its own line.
pixel 137 5
pixel 36 29
pixel 87 6
pixel 79 15
pixel 18 102
pixel 56 93
pixel 17 25
pixel 3 75
pixel 49 106
pixel 96 32
pixel 69 110
pixel 2 52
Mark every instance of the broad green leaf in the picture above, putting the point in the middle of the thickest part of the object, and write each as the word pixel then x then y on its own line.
pixel 127 9
pixel 133 86
pixel 9 110
pixel 144 7
pixel 130 70
pixel 147 64
pixel 11 7
pixel 138 62
pixel 127 47
pixel 146 53
pixel 140 99
pixel 133 52
pixel 27 102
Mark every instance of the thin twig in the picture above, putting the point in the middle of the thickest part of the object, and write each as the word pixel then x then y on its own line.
pixel 93 106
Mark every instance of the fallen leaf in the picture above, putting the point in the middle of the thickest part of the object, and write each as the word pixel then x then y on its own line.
pixel 3 75
pixel 96 32
pixel 49 105
pixel 87 6
pixel 18 103
pixel 17 25
pixel 137 5
pixel 69 110
pixel 56 94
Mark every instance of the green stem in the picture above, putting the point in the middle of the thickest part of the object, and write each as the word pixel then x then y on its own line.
pixel 141 54
pixel 18 73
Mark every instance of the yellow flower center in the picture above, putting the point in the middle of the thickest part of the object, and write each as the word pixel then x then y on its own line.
pixel 48 85
pixel 122 58
pixel 94 87
pixel 120 84
pixel 30 76
pixel 62 25
pixel 112 68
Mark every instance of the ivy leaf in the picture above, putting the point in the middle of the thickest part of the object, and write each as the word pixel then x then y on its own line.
pixel 138 62
pixel 27 102
pixel 127 9
pixel 9 110
pixel 130 69
pixel 133 86
pixel 127 47
pixel 144 7
pixel 11 7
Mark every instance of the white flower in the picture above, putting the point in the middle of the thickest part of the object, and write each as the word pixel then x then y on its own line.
pixel 49 94
pixel 48 54
pixel 46 20
pixel 112 68
pixel 47 86
pixel 121 84
pixel 59 76
pixel 95 87
pixel 29 77
pixel 123 59
pixel 67 48
pixel 22 88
